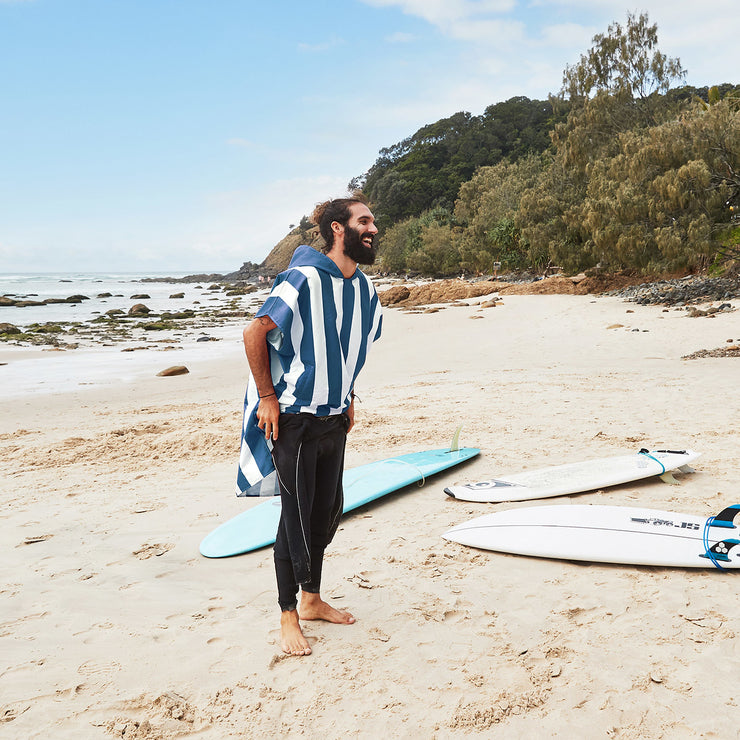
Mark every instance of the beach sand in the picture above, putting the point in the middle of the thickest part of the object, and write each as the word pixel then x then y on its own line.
pixel 113 625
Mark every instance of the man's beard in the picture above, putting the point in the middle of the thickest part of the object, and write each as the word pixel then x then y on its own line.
pixel 355 249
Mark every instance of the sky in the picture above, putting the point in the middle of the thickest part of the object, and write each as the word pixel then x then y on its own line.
pixel 190 135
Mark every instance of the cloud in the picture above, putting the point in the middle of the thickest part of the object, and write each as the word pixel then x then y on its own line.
pixel 567 36
pixel 446 14
pixel 333 43
pixel 494 32
pixel 400 38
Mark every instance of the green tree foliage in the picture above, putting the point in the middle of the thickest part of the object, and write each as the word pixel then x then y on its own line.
pixel 439 254
pixel 625 75
pixel 487 205
pixel 663 201
pixel 397 242
pixel 624 63
pixel 426 170
pixel 428 244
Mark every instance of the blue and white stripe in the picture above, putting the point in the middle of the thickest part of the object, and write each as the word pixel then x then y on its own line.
pixel 326 324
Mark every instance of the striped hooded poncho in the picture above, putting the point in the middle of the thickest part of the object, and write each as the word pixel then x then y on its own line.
pixel 326 324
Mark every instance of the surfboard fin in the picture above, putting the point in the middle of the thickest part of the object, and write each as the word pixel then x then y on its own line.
pixel 686 469
pixel 667 477
pixel 726 517
pixel 720 550
pixel 455 444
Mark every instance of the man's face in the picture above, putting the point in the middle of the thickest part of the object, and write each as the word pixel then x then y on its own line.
pixel 359 235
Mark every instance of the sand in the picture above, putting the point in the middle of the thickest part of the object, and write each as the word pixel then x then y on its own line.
pixel 113 625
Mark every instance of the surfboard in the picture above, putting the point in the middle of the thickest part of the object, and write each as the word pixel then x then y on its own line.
pixel 578 477
pixel 608 534
pixel 257 527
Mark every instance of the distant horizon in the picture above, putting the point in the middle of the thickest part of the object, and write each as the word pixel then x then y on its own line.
pixel 54 273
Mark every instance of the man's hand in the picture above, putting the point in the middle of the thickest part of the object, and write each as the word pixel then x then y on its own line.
pixel 255 345
pixel 350 415
pixel 268 413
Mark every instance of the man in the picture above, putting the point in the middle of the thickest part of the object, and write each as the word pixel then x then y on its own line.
pixel 305 348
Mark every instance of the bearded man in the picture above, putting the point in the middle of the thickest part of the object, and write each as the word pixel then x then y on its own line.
pixel 305 348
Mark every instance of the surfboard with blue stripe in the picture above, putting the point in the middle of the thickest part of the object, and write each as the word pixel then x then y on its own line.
pixel 257 527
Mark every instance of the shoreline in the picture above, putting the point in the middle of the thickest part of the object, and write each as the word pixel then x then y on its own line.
pixel 105 355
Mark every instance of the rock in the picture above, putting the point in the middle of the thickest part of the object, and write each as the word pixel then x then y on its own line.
pixel 140 297
pixel 6 301
pixel 158 326
pixel 114 312
pixel 394 295
pixel 174 370
pixel 9 329
pixel 139 309
pixel 105 295
pixel 177 295
pixel 77 298
pixel 186 314
pixel 687 290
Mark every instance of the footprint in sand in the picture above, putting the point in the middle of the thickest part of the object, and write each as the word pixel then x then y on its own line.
pixel 156 550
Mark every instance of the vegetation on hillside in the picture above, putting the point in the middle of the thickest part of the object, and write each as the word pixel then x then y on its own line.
pixel 626 168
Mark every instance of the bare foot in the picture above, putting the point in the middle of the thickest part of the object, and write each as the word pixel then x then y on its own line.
pixel 291 637
pixel 314 607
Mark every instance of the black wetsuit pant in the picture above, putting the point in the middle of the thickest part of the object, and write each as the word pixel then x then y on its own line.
pixel 309 459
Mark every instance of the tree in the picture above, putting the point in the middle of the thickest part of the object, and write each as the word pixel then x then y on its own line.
pixel 663 202
pixel 614 89
pixel 487 205
pixel 623 62
pixel 396 243
pixel 426 170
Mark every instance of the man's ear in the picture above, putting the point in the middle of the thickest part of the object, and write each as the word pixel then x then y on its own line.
pixel 336 227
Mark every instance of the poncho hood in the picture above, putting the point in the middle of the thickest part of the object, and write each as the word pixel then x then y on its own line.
pixel 305 256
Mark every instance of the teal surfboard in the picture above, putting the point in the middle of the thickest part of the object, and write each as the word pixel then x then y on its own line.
pixel 257 527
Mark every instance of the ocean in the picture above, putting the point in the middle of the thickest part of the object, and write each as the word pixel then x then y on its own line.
pixel 26 369
pixel 103 291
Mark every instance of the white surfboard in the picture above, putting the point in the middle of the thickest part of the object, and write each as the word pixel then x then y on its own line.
pixel 561 480
pixel 608 534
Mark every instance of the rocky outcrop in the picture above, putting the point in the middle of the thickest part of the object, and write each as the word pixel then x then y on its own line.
pixel 443 291
pixel 279 257
pixel 684 291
